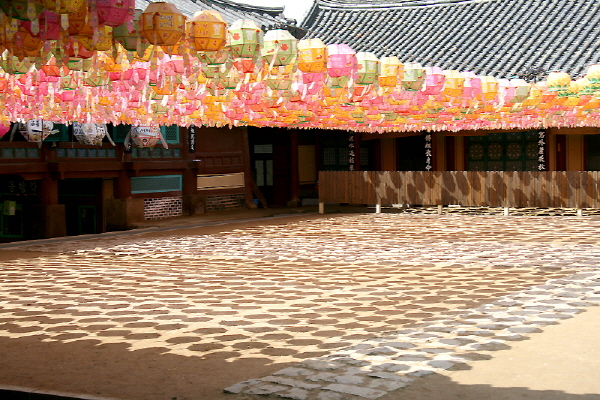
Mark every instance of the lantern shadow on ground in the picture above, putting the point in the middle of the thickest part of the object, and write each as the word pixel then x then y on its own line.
pixel 258 298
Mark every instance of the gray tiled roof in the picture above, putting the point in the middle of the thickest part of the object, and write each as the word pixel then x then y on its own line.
pixel 231 11
pixel 504 38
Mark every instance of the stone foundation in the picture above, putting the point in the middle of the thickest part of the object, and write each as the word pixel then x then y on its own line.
pixel 163 207
pixel 225 202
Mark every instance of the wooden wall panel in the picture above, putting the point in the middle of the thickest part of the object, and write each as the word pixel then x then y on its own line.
pixel 568 189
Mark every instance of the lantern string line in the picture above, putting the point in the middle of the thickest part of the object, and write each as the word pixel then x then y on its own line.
pixel 533 72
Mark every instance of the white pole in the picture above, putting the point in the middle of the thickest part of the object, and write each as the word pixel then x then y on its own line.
pixel 440 208
pixel 321 208
pixel 377 208
pixel 505 210
pixel 579 212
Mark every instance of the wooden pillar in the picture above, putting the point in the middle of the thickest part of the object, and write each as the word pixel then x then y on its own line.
pixel 123 211
pixel 574 144
pixel 49 191
pixel 388 154
pixel 122 187
pixel 248 181
pixel 461 154
pixel 49 216
pixel 294 170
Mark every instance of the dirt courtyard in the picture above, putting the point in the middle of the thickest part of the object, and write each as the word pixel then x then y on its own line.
pixel 183 314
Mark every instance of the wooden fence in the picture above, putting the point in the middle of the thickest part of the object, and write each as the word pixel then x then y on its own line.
pixel 577 189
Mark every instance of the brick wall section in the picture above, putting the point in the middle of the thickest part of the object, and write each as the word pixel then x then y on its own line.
pixel 163 207
pixel 225 202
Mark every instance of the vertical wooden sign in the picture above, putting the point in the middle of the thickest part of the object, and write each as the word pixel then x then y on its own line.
pixel 541 150
pixel 351 152
pixel 428 153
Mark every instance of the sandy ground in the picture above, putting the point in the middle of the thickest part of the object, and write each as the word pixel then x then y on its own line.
pixel 561 363
pixel 251 316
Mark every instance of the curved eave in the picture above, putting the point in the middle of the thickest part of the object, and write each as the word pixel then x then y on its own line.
pixel 272 11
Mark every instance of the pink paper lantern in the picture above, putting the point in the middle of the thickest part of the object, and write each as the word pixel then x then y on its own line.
pixel 472 87
pixel 114 12
pixel 434 81
pixel 4 129
pixel 341 60
pixel 49 26
pixel 310 77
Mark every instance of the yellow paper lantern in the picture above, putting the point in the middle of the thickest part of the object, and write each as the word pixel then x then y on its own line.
pixel 489 87
pixel 63 6
pixel 312 55
pixel 392 72
pixel 103 43
pixel 162 24
pixel 454 83
pixel 558 81
pixel 207 31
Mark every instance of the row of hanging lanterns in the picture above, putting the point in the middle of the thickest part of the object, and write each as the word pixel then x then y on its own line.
pixel 103 62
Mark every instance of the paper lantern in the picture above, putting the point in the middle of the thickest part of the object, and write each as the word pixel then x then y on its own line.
pixel 162 24
pixel 206 31
pixel 280 78
pixel 131 41
pixel 558 81
pixel 368 68
pixel 341 60
pixel 434 81
pixel 77 50
pixel 521 90
pixel 145 136
pixel 49 26
pixel 472 85
pixel 414 77
pixel 392 72
pixel 489 87
pixel 454 83
pixel 13 65
pixel 4 128
pixel 89 134
pixel 64 6
pixel 26 10
pixel 593 74
pixel 245 65
pixel 245 39
pixel 36 130
pixel 79 64
pixel 103 42
pixel 214 57
pixel 312 56
pixel 114 13
pixel 79 23
pixel 279 48
pixel 24 45
pixel 9 29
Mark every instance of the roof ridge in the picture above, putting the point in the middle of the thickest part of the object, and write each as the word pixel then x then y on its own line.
pixel 273 11
pixel 391 4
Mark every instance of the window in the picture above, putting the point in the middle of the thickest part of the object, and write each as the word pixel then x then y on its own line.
pixel 503 151
pixel 156 184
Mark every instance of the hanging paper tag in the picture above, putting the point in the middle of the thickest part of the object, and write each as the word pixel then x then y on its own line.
pixel 35 27
pixel 31 14
pixel 93 15
pixel 64 21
